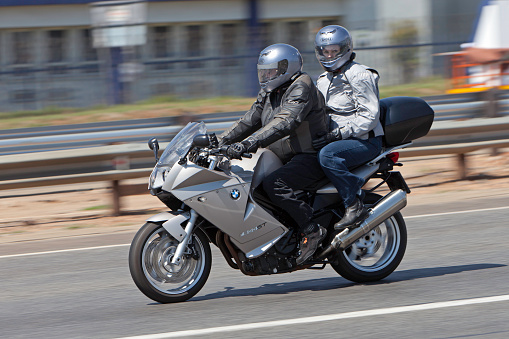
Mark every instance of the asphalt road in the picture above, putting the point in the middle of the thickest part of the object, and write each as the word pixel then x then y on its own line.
pixel 456 258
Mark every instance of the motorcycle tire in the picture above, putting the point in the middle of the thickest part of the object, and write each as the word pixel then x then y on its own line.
pixel 375 255
pixel 149 263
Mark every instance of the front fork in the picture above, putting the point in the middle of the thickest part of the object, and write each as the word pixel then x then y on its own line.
pixel 181 248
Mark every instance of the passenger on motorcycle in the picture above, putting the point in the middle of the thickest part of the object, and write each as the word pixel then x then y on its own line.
pixel 355 136
pixel 287 116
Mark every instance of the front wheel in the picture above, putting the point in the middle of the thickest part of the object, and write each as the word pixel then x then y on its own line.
pixel 376 254
pixel 150 264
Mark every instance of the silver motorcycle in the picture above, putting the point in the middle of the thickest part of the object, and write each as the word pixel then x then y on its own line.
pixel 213 199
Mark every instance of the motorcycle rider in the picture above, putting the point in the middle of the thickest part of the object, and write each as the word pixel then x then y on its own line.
pixel 355 136
pixel 287 115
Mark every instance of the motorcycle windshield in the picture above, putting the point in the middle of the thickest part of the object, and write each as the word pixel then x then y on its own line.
pixel 180 144
pixel 175 150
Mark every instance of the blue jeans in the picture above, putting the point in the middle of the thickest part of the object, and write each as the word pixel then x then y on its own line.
pixel 338 157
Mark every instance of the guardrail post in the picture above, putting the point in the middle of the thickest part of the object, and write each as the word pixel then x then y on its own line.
pixel 115 188
pixel 462 166
pixel 491 110
pixel 490 97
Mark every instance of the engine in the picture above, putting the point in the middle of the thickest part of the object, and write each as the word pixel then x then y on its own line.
pixel 279 259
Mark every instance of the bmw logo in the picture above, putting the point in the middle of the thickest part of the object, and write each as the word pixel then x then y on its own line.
pixel 235 194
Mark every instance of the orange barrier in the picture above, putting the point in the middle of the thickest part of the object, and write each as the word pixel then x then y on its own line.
pixel 464 79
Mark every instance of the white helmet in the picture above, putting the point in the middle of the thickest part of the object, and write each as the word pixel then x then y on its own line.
pixel 333 47
pixel 277 64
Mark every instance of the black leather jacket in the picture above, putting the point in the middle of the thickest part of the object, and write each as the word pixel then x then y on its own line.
pixel 285 120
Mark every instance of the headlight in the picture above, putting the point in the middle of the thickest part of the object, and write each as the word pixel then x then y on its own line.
pixel 157 177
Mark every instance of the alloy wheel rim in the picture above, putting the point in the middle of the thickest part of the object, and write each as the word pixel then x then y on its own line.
pixel 377 249
pixel 164 276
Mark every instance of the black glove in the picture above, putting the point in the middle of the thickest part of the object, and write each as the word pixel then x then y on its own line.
pixel 324 139
pixel 251 144
pixel 236 150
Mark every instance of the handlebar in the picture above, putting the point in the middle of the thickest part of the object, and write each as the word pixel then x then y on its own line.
pixel 222 151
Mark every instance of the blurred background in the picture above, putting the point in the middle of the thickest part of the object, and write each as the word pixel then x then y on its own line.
pixel 84 85
pixel 77 53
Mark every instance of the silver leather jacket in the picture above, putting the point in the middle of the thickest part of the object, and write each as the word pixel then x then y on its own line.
pixel 352 100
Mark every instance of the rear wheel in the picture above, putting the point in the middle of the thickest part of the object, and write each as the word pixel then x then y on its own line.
pixel 375 255
pixel 150 264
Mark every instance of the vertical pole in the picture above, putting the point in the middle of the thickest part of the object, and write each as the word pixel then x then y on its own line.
pixel 117 86
pixel 115 187
pixel 253 49
pixel 462 166
pixel 491 102
pixel 492 109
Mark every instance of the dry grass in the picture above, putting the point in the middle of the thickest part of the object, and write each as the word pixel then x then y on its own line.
pixel 170 106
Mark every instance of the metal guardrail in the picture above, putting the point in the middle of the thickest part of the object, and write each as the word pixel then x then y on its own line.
pixel 134 160
pixel 27 140
pixel 447 108
pixel 128 161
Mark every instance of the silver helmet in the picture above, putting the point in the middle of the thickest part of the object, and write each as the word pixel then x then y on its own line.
pixel 277 64
pixel 333 47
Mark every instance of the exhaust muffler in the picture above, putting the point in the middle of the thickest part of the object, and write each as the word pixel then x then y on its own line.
pixel 390 204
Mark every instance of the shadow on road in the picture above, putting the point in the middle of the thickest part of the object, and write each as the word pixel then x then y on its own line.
pixel 338 282
pixel 280 288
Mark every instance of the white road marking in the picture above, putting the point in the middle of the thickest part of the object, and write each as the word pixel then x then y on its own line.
pixel 120 245
pixel 315 319
pixel 62 251
pixel 457 212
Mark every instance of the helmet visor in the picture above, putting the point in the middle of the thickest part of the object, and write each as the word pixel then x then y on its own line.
pixel 268 72
pixel 330 53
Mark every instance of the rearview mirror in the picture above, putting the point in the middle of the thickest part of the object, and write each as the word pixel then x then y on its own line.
pixel 201 140
pixel 153 144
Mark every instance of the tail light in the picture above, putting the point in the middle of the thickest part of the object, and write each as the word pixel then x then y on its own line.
pixel 393 156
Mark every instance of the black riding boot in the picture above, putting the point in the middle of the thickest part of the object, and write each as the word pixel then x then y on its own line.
pixel 354 215
pixel 312 236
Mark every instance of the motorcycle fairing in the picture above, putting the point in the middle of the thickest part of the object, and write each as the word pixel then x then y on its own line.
pixel 225 201
pixel 194 179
